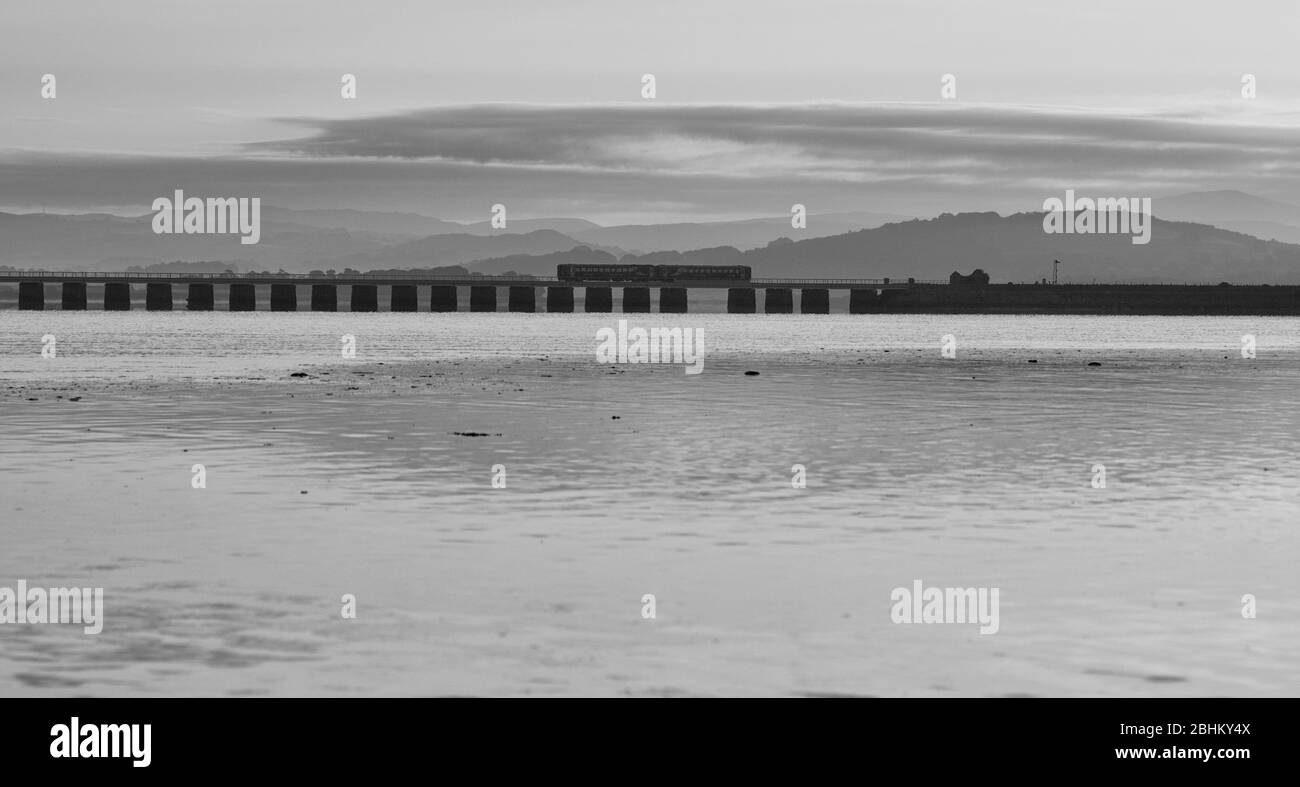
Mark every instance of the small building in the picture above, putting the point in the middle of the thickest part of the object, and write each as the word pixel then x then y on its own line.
pixel 977 276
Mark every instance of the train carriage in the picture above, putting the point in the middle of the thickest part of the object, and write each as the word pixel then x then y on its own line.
pixel 604 272
pixel 702 272
pixel 652 273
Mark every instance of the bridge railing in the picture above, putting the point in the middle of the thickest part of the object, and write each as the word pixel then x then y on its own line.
pixel 891 282
pixel 73 275
pixel 1139 283
pixel 864 282
pixel 416 275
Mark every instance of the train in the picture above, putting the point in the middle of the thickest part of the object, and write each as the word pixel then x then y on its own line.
pixel 656 273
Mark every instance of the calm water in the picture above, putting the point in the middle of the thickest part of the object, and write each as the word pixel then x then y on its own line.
pixel 972 472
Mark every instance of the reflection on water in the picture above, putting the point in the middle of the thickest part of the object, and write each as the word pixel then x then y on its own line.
pixel 624 481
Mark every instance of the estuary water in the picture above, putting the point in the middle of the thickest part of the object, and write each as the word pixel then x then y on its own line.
pixel 500 505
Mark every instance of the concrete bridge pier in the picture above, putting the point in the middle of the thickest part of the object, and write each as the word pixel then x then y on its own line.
pixel 741 300
pixel 324 298
pixel 200 298
pixel 559 300
pixel 778 300
pixel 158 296
pixel 888 295
pixel 284 297
pixel 599 300
pixel 636 300
pixel 442 298
pixel 523 299
pixel 404 298
pixel 243 297
pixel 74 296
pixel 862 301
pixel 482 298
pixel 31 295
pixel 365 298
pixel 117 297
pixel 672 300
pixel 814 301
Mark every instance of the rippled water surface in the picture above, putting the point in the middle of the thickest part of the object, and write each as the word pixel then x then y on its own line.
pixel 631 480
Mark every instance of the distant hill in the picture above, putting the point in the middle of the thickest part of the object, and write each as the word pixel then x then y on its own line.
pixel 567 226
pixel 743 234
pixel 747 234
pixel 1236 211
pixel 445 270
pixel 542 264
pixel 1015 248
pixel 1265 230
pixel 413 225
pixel 184 267
pixel 1010 248
pixel 1212 207
pixel 452 249
pixel 104 242
pixel 393 225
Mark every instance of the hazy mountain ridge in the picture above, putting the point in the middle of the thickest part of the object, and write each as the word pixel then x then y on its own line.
pixel 415 225
pixel 542 264
pixel 1015 248
pixel 1211 207
pixel 1264 230
pixel 202 266
pixel 453 249
pixel 102 242
pixel 107 242
pixel 1234 210
pixel 745 234
pixel 299 240
pixel 1011 248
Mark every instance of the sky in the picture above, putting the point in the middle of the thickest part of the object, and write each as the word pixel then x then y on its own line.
pixel 539 106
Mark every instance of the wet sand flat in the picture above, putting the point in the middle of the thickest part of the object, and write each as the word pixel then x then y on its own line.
pixel 630 480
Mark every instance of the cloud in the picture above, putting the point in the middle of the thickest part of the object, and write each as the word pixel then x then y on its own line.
pixel 697 161
pixel 830 141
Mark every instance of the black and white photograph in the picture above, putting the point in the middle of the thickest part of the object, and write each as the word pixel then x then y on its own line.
pixel 708 349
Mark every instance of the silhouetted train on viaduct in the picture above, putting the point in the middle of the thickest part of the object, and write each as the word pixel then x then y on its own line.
pixel 653 272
